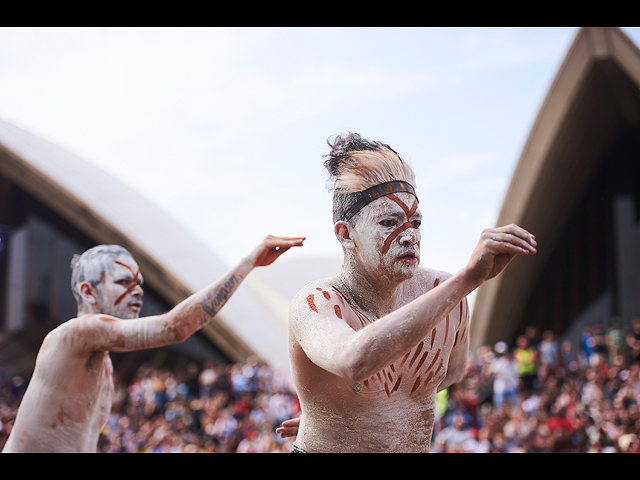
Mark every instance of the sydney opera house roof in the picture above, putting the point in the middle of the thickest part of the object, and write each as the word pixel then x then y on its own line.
pixel 101 209
pixel 577 188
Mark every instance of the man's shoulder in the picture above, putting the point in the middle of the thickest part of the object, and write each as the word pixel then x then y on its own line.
pixel 79 326
pixel 58 343
pixel 315 297
pixel 61 329
pixel 315 286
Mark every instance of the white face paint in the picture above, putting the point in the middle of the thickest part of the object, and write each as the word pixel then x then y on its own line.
pixel 386 237
pixel 120 292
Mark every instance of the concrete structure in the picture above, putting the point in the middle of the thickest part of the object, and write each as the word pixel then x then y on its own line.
pixel 53 204
pixel 577 188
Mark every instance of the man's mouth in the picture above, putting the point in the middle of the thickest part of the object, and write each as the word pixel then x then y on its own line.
pixel 136 305
pixel 409 257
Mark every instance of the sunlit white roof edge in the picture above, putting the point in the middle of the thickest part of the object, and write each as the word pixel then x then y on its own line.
pixel 86 195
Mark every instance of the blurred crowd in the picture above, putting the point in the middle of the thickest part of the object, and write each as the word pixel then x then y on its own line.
pixel 546 396
pixel 538 395
pixel 204 409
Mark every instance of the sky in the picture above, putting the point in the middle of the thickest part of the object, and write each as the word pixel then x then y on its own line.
pixel 226 128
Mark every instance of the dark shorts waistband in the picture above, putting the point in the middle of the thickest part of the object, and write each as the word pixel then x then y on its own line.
pixel 296 449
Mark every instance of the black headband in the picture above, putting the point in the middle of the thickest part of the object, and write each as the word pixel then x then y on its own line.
pixel 370 194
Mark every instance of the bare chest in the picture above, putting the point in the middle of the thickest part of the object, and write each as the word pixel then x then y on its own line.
pixel 65 406
pixel 419 372
pixel 90 404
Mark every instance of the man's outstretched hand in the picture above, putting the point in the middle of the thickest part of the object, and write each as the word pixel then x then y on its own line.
pixel 272 247
pixel 496 248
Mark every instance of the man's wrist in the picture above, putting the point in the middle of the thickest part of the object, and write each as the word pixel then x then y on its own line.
pixel 247 264
pixel 468 280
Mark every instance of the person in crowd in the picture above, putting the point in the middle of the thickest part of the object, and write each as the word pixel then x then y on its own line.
pixel 505 377
pixel 549 352
pixel 526 360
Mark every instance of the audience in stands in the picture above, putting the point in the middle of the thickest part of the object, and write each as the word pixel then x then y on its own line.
pixel 557 399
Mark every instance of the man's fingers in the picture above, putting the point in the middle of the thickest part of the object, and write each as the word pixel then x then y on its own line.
pixel 508 241
pixel 281 242
pixel 497 247
pixel 511 239
pixel 518 232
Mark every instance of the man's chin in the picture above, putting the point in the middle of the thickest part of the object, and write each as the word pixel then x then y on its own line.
pixel 401 272
pixel 127 314
pixel 408 270
pixel 133 310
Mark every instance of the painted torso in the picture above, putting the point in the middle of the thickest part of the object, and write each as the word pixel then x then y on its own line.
pixel 394 409
pixel 78 391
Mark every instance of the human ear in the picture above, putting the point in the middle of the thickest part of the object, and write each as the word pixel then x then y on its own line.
pixel 89 294
pixel 342 231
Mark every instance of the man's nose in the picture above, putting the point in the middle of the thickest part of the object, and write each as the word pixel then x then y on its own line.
pixel 137 291
pixel 410 236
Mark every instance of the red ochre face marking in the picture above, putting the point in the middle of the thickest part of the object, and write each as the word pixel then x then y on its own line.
pixel 311 302
pixel 327 295
pixel 338 311
pixel 404 226
pixel 134 283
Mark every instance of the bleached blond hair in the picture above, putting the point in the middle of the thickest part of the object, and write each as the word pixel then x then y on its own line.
pixel 356 163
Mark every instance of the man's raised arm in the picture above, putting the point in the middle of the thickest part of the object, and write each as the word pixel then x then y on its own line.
pixel 191 314
pixel 334 346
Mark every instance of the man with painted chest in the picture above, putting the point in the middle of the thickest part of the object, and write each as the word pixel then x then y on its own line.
pixel 371 347
pixel 69 397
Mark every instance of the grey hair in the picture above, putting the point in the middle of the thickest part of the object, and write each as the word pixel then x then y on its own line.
pixel 92 265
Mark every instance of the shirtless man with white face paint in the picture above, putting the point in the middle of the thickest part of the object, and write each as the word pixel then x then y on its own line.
pixel 69 397
pixel 371 347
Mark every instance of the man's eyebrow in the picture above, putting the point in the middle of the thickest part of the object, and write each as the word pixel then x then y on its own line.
pixel 133 276
pixel 129 277
pixel 399 214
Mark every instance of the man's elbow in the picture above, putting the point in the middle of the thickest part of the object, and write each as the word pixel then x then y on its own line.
pixel 180 336
pixel 177 332
pixel 353 366
pixel 354 372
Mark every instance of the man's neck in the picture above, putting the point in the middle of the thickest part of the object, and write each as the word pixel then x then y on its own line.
pixel 375 295
pixel 86 311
